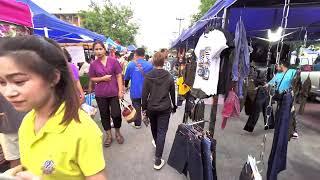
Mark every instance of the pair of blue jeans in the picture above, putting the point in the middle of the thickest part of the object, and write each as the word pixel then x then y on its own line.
pixel 278 157
pixel 209 168
pixel 186 155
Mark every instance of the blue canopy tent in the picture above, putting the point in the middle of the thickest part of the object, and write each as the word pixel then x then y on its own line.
pixel 131 48
pixel 46 24
pixel 112 43
pixel 261 15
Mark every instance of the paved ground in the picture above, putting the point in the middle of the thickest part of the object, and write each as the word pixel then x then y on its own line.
pixel 134 159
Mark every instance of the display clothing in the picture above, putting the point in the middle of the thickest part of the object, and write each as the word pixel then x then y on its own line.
pixel 208 52
pixel 278 157
pixel 241 62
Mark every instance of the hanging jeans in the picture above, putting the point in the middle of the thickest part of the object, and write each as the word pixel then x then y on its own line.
pixel 278 156
pixel 260 105
pixel 159 121
pixel 209 171
pixel 185 155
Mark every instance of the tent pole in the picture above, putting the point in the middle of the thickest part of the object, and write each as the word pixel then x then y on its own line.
pixel 46 32
pixel 214 107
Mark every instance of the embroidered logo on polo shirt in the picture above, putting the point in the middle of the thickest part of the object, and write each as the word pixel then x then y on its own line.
pixel 48 167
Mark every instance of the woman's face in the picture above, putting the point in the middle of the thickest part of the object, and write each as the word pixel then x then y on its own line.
pixel 99 51
pixel 25 90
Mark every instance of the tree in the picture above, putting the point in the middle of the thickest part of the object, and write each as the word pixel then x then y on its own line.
pixel 203 8
pixel 112 21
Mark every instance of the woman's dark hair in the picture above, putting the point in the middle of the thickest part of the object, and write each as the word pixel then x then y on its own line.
pixel 67 55
pixel 131 56
pixel 99 42
pixel 285 63
pixel 45 58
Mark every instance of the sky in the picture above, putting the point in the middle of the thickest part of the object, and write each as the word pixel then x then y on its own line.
pixel 158 26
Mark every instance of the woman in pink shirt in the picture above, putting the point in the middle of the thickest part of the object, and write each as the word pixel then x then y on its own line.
pixel 106 73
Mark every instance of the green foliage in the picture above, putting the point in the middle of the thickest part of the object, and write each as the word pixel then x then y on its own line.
pixel 203 8
pixel 112 21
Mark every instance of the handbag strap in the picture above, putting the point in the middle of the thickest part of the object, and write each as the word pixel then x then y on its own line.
pixel 282 80
pixel 139 67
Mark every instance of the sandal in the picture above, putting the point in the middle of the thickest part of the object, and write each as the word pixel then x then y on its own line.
pixel 107 141
pixel 119 138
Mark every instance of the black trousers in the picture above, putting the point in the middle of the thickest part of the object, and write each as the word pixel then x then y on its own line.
pixel 159 121
pixel 259 105
pixel 109 106
pixel 137 104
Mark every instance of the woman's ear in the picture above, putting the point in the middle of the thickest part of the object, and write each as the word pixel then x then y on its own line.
pixel 57 77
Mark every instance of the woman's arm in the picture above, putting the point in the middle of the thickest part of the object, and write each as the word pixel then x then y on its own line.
pixel 80 90
pixel 100 176
pixel 120 85
pixel 145 94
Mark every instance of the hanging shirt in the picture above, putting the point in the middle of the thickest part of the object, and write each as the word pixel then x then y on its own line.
pixel 208 52
pixel 286 82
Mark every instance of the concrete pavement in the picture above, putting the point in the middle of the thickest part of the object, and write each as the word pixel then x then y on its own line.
pixel 134 159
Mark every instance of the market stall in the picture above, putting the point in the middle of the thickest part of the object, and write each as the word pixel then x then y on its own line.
pixel 48 25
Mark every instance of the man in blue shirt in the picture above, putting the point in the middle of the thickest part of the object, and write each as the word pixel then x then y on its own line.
pixel 135 73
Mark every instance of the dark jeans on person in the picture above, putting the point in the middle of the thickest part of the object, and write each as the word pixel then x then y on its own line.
pixel 137 104
pixel 185 155
pixel 159 121
pixel 278 157
pixel 109 106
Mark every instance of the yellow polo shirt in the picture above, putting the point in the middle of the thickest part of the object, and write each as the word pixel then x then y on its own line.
pixel 75 150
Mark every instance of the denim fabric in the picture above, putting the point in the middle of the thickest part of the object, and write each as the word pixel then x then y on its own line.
pixel 159 121
pixel 278 156
pixel 185 155
pixel 137 104
pixel 207 159
pixel 241 63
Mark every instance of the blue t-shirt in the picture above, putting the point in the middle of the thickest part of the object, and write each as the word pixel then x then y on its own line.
pixel 286 82
pixel 135 76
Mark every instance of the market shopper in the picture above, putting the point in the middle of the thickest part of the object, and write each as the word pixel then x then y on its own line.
pixel 57 140
pixel 135 72
pixel 106 73
pixel 158 101
pixel 282 83
pixel 10 121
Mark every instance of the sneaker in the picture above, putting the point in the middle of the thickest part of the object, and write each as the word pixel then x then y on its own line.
pixel 295 135
pixel 134 125
pixel 159 164
pixel 154 144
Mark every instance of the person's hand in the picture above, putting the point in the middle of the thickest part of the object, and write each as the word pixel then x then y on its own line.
pixel 266 85
pixel 174 109
pixel 121 95
pixel 13 171
pixel 26 175
pixel 106 78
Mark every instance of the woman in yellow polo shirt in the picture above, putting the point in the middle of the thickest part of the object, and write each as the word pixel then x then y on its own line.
pixel 57 140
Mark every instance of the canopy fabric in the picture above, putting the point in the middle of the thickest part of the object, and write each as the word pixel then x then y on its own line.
pixel 15 13
pixel 131 48
pixel 59 30
pixel 260 15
